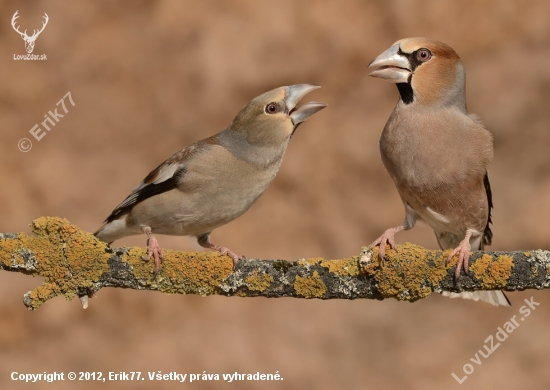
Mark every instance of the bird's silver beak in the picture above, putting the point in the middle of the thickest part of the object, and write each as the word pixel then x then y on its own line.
pixel 294 94
pixel 391 66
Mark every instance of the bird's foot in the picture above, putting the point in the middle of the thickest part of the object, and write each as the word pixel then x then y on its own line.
pixel 226 251
pixel 463 250
pixel 153 250
pixel 204 241
pixel 388 237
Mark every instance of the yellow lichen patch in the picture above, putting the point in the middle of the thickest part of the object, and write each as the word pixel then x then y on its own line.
pixel 407 274
pixel 343 267
pixel 534 271
pixel 7 248
pixel 493 274
pixel 310 286
pixel 312 261
pixel 374 264
pixel 370 269
pixel 258 282
pixel 479 268
pixel 141 269
pixel 528 254
pixel 182 272
pixel 67 257
pixel 44 292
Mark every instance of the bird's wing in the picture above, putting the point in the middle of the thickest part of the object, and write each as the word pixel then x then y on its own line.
pixel 487 233
pixel 163 178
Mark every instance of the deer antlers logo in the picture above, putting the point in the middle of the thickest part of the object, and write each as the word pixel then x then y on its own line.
pixel 29 41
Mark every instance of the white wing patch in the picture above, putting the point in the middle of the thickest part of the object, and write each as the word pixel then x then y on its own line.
pixel 436 216
pixel 128 201
pixel 161 174
pixel 164 172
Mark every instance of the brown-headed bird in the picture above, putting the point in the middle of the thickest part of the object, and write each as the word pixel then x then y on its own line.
pixel 437 154
pixel 213 181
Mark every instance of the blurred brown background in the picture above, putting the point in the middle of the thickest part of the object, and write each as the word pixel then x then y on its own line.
pixel 151 77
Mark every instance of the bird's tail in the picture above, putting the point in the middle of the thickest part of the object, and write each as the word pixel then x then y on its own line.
pixel 494 297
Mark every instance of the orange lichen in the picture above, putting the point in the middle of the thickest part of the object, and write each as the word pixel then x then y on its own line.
pixel 407 273
pixel 67 257
pixel 258 282
pixel 493 274
pixel 182 272
pixel 310 286
pixel 374 263
pixel 8 250
pixel 343 267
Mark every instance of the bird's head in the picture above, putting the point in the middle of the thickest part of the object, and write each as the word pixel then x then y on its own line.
pixel 272 118
pixel 425 71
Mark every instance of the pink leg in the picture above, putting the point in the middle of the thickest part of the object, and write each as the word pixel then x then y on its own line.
pixel 386 238
pixel 204 241
pixel 463 250
pixel 153 249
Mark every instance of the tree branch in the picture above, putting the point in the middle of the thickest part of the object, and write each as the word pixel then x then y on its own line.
pixel 75 263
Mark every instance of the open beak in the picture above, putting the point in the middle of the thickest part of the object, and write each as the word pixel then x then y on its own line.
pixel 391 66
pixel 294 94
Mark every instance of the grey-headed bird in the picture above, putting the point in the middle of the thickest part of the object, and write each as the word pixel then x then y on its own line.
pixel 213 181
pixel 436 153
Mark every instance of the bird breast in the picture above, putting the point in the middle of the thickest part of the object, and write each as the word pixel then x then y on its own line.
pixel 422 148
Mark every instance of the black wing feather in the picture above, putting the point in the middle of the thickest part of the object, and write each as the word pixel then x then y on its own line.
pixel 488 234
pixel 146 192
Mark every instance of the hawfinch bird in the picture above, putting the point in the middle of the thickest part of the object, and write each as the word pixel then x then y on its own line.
pixel 213 181
pixel 436 153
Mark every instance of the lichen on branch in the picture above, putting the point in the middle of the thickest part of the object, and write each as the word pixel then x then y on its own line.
pixel 75 263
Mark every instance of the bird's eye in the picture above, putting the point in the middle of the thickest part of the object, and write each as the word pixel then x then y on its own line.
pixel 423 55
pixel 272 108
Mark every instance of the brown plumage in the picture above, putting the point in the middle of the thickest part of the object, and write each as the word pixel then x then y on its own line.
pixel 213 181
pixel 437 154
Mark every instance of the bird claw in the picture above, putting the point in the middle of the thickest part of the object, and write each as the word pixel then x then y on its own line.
pixel 463 250
pixel 228 252
pixel 204 241
pixel 388 237
pixel 154 250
